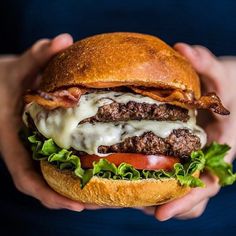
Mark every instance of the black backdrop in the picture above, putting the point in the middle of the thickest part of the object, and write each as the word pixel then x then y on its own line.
pixel 210 23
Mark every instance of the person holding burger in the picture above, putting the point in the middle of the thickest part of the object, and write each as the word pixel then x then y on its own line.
pixel 113 122
pixel 18 74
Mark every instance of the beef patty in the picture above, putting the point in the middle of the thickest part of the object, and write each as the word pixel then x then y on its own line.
pixel 179 143
pixel 138 111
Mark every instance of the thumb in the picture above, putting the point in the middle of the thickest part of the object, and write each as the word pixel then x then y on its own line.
pixel 204 62
pixel 35 58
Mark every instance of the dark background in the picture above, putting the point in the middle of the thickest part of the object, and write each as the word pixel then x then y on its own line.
pixel 209 23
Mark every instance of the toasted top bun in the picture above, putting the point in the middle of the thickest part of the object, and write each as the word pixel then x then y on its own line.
pixel 120 59
pixel 118 193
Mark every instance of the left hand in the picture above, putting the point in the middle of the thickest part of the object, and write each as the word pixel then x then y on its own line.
pixel 17 74
pixel 218 76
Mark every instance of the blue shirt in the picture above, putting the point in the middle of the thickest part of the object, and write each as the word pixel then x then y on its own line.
pixel 209 23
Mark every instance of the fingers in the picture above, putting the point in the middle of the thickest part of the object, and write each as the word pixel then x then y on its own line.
pixel 31 183
pixel 205 63
pixel 26 179
pixel 38 55
pixel 194 212
pixel 189 201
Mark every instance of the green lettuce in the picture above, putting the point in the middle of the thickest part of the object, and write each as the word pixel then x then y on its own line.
pixel 214 155
pixel 211 158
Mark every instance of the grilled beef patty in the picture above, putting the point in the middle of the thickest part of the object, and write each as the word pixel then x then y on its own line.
pixel 138 111
pixel 179 143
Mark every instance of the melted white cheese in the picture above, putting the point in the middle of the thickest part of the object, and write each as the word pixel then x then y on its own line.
pixel 62 125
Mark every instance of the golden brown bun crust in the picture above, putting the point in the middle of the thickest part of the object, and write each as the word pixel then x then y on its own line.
pixel 120 59
pixel 118 193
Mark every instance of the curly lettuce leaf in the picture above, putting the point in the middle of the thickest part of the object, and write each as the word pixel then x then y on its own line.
pixel 214 155
pixel 210 158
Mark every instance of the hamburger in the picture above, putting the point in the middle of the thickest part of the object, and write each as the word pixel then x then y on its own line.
pixel 113 122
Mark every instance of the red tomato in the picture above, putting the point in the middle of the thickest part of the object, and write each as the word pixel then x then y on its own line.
pixel 138 161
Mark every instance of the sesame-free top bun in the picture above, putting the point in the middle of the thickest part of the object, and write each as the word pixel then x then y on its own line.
pixel 120 59
pixel 118 193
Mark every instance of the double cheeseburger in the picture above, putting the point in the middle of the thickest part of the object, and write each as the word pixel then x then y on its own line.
pixel 113 122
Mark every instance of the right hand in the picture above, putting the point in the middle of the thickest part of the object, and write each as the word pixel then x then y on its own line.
pixel 218 76
pixel 17 74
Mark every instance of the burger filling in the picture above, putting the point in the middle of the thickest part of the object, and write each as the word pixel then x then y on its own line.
pixel 109 123
pixel 137 124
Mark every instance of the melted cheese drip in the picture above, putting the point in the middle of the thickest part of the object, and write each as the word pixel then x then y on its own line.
pixel 62 125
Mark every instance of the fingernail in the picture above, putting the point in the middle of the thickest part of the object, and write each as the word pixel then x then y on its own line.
pixel 79 209
pixel 164 218
pixel 161 217
pixel 75 208
pixel 63 37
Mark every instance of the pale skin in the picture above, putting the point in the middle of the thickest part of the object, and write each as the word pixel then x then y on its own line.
pixel 18 73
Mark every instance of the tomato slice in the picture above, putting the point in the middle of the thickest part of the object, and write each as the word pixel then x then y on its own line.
pixel 138 161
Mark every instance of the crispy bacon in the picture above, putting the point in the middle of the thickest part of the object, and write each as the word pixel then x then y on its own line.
pixel 69 97
pixel 185 99
pixel 211 101
pixel 61 98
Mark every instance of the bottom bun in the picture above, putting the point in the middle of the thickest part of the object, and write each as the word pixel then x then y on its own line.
pixel 116 193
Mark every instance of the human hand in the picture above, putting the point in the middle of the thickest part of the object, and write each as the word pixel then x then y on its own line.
pixel 217 75
pixel 18 73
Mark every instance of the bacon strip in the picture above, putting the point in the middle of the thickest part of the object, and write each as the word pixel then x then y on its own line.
pixel 185 99
pixel 211 101
pixel 62 98
pixel 69 97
